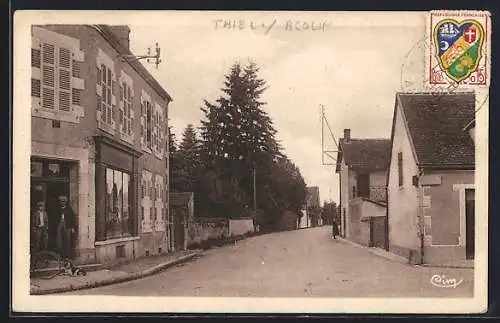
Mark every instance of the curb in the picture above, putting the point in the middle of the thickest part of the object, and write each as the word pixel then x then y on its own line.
pixel 116 280
pixel 401 259
pixel 447 266
pixel 394 258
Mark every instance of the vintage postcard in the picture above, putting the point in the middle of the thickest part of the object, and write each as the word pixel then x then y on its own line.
pixel 251 162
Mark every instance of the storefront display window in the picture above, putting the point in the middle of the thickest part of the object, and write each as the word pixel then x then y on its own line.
pixel 118 220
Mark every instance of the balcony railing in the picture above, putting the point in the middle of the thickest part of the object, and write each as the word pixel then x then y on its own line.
pixel 378 193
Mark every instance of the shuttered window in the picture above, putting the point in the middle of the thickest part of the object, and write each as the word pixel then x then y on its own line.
pixel 149 124
pixel 35 57
pixel 76 95
pixel 126 108
pixel 54 88
pixel 35 88
pixel 76 69
pixel 48 76
pixel 107 84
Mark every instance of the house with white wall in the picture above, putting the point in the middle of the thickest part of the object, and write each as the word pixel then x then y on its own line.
pixel 362 167
pixel 431 178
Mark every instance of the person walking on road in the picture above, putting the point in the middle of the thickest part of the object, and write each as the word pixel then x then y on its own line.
pixel 335 229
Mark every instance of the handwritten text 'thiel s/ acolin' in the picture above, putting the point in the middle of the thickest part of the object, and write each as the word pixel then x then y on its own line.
pixel 289 25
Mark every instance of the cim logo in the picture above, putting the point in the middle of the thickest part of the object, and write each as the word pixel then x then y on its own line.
pixel 443 281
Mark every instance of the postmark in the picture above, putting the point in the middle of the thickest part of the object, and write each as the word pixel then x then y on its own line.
pixel 458 52
pixel 414 76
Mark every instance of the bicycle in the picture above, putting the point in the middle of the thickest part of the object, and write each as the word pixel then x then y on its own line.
pixel 41 260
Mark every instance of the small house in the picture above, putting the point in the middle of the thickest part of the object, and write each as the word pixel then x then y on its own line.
pixel 362 167
pixel 431 178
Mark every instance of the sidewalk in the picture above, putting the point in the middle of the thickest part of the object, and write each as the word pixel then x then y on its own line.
pixel 376 251
pixel 391 256
pixel 112 275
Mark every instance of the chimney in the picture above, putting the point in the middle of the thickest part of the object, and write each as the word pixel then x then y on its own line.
pixel 347 135
pixel 122 32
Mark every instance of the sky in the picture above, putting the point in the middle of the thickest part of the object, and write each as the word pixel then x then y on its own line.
pixel 352 64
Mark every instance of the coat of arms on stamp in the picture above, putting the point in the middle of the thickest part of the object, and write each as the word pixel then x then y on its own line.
pixel 459 51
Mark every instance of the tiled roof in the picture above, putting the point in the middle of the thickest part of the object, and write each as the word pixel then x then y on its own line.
pixel 436 124
pixel 365 154
pixel 180 199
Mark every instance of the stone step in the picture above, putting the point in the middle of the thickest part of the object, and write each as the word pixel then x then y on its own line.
pixel 53 269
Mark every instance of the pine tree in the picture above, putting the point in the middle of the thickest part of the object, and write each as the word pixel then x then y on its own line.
pixel 239 138
pixel 188 160
pixel 173 160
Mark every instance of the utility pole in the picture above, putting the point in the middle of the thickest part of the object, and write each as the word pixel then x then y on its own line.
pixel 254 189
pixel 307 214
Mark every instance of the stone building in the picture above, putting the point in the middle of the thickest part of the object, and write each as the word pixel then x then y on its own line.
pixel 99 136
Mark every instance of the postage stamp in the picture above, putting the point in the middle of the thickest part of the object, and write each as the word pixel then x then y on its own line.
pixel 459 51
pixel 198 151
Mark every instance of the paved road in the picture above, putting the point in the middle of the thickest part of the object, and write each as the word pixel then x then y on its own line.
pixel 296 263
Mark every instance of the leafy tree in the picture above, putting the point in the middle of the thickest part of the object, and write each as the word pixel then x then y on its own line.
pixel 329 212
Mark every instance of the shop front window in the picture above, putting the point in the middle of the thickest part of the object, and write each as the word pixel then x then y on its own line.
pixel 118 219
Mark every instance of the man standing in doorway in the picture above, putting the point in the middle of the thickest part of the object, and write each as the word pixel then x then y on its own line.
pixel 39 225
pixel 66 228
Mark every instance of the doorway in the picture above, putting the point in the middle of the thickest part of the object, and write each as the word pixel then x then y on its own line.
pixel 469 224
pixel 49 180
pixel 48 191
pixel 179 227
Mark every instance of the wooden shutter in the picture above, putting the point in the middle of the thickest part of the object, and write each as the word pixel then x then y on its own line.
pixel 148 123
pixel 76 95
pixel 35 88
pixel 64 79
pixel 76 69
pixel 48 76
pixel 35 57
pixel 129 111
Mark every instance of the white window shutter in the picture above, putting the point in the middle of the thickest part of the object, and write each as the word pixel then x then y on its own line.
pixel 64 71
pixel 48 76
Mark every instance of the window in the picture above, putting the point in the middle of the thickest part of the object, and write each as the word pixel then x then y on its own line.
pixel 119 221
pixel 126 109
pixel 35 88
pixel 363 185
pixel 48 76
pixel 76 95
pixel 35 57
pixel 76 69
pixel 149 124
pixel 107 92
pixel 54 88
pixel 64 79
pixel 400 169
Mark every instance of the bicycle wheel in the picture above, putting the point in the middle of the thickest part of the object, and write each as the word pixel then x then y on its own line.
pixel 47 264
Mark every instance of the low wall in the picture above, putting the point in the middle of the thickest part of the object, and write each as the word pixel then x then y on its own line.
pixel 288 221
pixel 202 229
pixel 238 227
